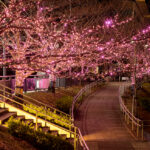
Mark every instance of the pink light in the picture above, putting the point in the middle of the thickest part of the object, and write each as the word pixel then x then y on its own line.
pixel 48 71
pixel 65 25
pixel 134 38
pixel 108 43
pixel 143 31
pixel 90 31
pixel 102 57
pixel 41 9
pixel 108 23
pixel 100 48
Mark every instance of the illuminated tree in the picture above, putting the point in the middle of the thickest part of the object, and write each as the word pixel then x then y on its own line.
pixel 32 39
pixel 37 39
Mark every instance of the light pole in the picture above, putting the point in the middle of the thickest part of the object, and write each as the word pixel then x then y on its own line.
pixel 134 72
pixel 4 57
pixel 4 53
pixel 134 81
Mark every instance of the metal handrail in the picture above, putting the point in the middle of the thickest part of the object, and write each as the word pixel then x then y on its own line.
pixel 70 126
pixel 82 141
pixel 128 115
pixel 8 95
pixel 86 89
pixel 132 117
pixel 123 107
pixel 13 76
pixel 54 110
pixel 44 114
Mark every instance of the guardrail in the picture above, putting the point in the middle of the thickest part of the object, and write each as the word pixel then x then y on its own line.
pixel 135 123
pixel 7 92
pixel 83 92
pixel 18 102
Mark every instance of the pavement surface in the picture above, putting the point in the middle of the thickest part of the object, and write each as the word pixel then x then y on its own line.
pixel 100 121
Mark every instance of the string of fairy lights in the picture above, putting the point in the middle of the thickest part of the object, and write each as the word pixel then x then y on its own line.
pixel 37 40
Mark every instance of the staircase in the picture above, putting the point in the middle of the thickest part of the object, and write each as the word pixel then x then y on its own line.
pixel 5 115
pixel 50 120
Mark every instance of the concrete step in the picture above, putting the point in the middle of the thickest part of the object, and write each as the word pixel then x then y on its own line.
pixel 64 136
pixel 46 129
pixel 6 116
pixel 54 132
pixel 71 140
pixel 3 110
pixel 21 118
pixel 28 121
pixel 38 125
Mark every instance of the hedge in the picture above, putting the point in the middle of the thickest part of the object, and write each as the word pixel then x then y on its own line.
pixel 37 138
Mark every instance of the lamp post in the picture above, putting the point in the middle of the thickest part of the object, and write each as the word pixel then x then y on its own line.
pixel 134 73
pixel 134 81
pixel 4 53
pixel 4 57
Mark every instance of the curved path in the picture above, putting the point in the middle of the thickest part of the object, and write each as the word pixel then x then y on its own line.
pixel 99 119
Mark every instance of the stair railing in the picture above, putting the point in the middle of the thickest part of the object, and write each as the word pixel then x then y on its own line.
pixel 45 116
pixel 18 102
pixel 35 102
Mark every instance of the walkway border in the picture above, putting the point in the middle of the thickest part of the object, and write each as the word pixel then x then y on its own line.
pixel 135 123
pixel 78 98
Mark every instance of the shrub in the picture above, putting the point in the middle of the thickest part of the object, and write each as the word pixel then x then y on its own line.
pixel 75 90
pixel 40 140
pixel 53 117
pixel 64 103
pixel 143 97
pixel 144 102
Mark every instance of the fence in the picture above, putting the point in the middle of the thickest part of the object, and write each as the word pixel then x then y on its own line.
pixel 35 82
pixel 77 99
pixel 133 122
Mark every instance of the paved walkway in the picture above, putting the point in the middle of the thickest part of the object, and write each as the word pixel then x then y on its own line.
pixel 99 119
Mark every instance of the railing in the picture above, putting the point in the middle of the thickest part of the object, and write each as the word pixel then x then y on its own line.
pixel 18 102
pixel 35 82
pixel 84 91
pixel 8 98
pixel 28 100
pixel 82 141
pixel 49 113
pixel 9 77
pixel 39 82
pixel 135 123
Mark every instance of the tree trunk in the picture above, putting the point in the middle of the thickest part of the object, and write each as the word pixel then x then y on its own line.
pixel 20 77
pixel 19 86
pixel 51 87
pixel 19 82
